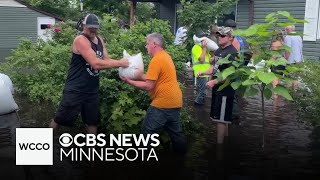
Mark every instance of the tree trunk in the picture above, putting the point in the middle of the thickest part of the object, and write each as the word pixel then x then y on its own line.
pixel 133 4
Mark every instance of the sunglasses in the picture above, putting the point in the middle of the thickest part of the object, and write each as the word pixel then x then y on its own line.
pixel 222 35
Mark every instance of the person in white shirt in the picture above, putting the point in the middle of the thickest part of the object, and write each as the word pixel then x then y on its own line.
pixel 294 41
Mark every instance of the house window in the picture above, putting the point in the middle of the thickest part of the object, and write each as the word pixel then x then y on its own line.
pixel 311 29
pixel 45 26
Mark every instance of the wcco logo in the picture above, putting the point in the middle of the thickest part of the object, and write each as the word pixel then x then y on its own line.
pixel 34 146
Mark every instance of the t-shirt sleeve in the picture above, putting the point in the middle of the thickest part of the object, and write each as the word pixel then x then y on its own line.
pixel 153 70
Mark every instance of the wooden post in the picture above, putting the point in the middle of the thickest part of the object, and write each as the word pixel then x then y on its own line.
pixel 251 12
pixel 133 4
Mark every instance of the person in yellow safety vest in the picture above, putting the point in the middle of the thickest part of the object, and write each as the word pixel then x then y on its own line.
pixel 201 62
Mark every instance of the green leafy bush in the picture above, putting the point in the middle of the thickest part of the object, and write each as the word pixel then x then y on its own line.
pixel 39 71
pixel 308 97
pixel 199 15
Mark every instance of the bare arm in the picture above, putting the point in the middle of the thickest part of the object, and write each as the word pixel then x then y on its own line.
pixel 207 72
pixel 211 83
pixel 83 47
pixel 204 51
pixel 145 85
pixel 287 55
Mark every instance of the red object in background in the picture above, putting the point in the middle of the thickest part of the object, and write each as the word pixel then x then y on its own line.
pixel 57 30
pixel 49 26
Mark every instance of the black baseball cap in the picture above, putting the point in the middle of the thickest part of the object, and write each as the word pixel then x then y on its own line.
pixel 200 33
pixel 91 21
pixel 230 23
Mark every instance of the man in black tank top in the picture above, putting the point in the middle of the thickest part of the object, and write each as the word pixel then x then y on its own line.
pixel 222 101
pixel 80 94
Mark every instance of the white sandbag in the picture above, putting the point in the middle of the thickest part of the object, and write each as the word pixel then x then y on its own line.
pixel 136 67
pixel 211 45
pixel 7 81
pixel 181 36
pixel 7 103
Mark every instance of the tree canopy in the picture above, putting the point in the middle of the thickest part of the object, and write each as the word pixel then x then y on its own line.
pixel 70 10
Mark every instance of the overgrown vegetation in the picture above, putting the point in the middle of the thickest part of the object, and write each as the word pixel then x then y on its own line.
pixel 253 80
pixel 39 71
pixel 198 15
pixel 308 96
pixel 70 10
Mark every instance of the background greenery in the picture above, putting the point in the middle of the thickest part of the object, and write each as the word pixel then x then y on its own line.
pixel 39 71
pixel 70 9
pixel 308 94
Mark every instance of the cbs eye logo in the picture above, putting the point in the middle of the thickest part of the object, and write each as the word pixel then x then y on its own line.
pixel 65 140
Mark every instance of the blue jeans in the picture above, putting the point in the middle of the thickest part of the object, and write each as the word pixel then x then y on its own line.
pixel 169 119
pixel 202 89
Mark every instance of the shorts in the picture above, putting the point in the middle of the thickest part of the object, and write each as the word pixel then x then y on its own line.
pixel 221 108
pixel 72 104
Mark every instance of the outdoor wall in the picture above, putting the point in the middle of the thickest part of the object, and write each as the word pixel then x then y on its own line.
pixel 167 11
pixel 16 22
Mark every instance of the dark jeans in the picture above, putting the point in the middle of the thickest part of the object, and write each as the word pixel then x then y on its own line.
pixel 169 119
pixel 202 90
pixel 235 109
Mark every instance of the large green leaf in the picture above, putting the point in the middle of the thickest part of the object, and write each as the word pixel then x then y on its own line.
pixel 225 84
pixel 284 24
pixel 297 20
pixel 254 74
pixel 252 30
pixel 280 61
pixel 251 92
pixel 238 32
pixel 230 70
pixel 224 60
pixel 294 69
pixel 282 91
pixel 237 63
pixel 267 93
pixel 284 13
pixel 219 76
pixel 266 77
pixel 242 89
pixel 236 85
pixel 264 33
pixel 285 47
pixel 275 53
pixel 246 70
pixel 270 16
pixel 249 82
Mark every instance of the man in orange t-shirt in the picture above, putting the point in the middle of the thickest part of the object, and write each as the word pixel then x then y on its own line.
pixel 162 85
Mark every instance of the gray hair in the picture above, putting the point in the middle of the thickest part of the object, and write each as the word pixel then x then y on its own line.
pixel 292 27
pixel 157 38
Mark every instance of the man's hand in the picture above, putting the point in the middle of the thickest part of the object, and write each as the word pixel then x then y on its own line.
pixel 125 79
pixel 124 63
pixel 200 74
pixel 211 83
pixel 204 44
